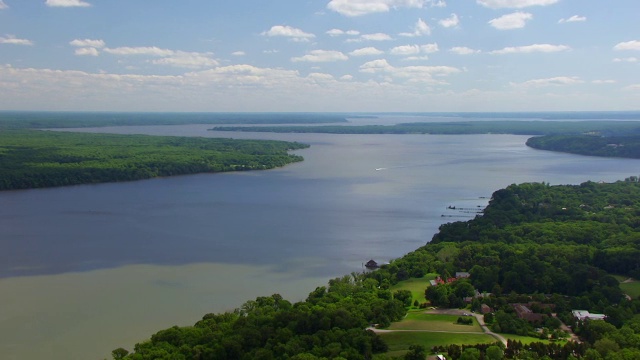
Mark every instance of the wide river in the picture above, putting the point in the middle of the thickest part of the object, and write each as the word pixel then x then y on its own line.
pixel 87 269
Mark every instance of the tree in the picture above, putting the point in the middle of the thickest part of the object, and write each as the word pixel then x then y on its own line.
pixel 119 353
pixel 470 354
pixel 416 352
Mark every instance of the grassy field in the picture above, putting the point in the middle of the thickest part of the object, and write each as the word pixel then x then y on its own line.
pixel 399 342
pixel 418 320
pixel 631 288
pixel 527 339
pixel 416 286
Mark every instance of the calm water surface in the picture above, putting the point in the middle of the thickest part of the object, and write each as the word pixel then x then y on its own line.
pixel 86 269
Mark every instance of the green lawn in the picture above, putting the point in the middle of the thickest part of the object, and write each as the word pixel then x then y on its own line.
pixel 418 320
pixel 631 288
pixel 529 339
pixel 399 342
pixel 417 286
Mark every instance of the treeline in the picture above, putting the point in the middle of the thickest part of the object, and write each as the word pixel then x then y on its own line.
pixel 611 146
pixel 39 120
pixel 35 159
pixel 329 324
pixel 527 127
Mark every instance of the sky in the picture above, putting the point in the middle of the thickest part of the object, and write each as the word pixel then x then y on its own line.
pixel 319 55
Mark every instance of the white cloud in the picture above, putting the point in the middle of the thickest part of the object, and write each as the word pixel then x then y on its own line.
pixel 627 59
pixel 367 51
pixel 405 50
pixel 514 4
pixel 3 5
pixel 364 7
pixel 416 58
pixel 628 45
pixel 238 53
pixel 289 32
pixel 376 37
pixel 420 28
pixel 321 56
pixel 604 81
pixel 634 87
pixel 89 51
pixel 98 44
pixel 546 48
pixel 181 59
pixel 437 3
pixel 412 73
pixel 144 50
pixel 516 20
pixel 67 3
pixel 338 32
pixel 574 18
pixel 554 81
pixel 190 60
pixel 463 50
pixel 270 51
pixel 346 77
pixel 11 39
pixel 451 21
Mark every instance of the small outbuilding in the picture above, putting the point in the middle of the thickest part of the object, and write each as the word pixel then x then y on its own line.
pixel 371 264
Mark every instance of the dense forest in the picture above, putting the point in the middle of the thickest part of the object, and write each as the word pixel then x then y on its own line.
pixel 40 120
pixel 34 159
pixel 555 248
pixel 538 127
pixel 612 146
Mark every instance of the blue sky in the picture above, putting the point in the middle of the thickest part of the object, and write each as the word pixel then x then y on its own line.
pixel 319 55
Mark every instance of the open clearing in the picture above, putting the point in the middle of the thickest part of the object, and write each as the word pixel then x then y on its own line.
pixel 419 320
pixel 631 288
pixel 400 341
pixel 416 286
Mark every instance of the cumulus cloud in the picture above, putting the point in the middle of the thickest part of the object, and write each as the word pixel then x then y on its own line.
pixel 290 32
pixel 463 50
pixel 11 39
pixel 514 4
pixel 87 52
pixel 604 81
pixel 367 51
pixel 182 59
pixel 346 77
pixel 143 50
pixel 3 5
pixel 338 32
pixel 545 48
pixel 238 53
pixel 634 87
pixel 364 7
pixel 98 44
pixel 412 73
pixel 376 37
pixel 516 20
pixel 628 45
pixel 420 28
pixel 574 18
pixel 627 59
pixel 321 56
pixel 414 50
pixel 190 60
pixel 67 3
pixel 554 81
pixel 451 21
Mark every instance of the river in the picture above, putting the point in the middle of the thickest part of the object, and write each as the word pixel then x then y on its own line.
pixel 86 269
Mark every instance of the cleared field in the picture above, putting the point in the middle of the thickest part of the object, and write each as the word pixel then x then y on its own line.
pixel 400 341
pixel 418 320
pixel 528 339
pixel 416 286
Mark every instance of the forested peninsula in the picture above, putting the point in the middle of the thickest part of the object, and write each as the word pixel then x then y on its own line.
pixel 536 253
pixel 521 127
pixel 35 159
pixel 611 146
